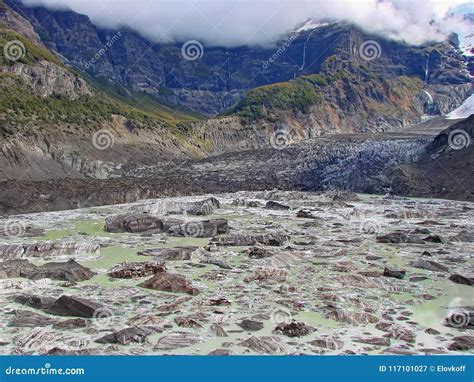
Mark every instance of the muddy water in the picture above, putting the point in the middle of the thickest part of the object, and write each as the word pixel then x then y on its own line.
pixel 326 261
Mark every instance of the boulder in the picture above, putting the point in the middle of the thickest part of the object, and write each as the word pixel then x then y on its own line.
pixel 133 223
pixel 259 253
pixel 377 341
pixel 272 205
pixel 435 239
pixel 170 254
pixel 327 343
pixel 294 329
pixel 398 274
pixel 462 343
pixel 203 228
pixel 429 265
pixel 64 271
pixel 135 334
pixel 11 251
pixel 29 319
pixel 75 307
pixel 37 302
pixel 306 214
pixel 264 345
pixel 169 282
pixel 176 340
pixel 128 270
pixel 251 325
pixel 60 248
pixel 203 207
pixel 398 237
pixel 460 279
pixel 16 268
pixel 237 240
pixel 351 317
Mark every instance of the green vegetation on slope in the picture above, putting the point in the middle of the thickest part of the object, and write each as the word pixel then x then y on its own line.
pixel 31 53
pixel 296 95
pixel 19 104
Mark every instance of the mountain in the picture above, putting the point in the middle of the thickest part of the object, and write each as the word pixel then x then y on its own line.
pixel 111 110
pixel 219 78
pixel 51 115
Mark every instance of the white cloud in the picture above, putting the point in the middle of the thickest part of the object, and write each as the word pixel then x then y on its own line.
pixel 261 22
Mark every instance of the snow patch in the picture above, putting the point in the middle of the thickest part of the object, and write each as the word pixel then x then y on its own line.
pixel 310 25
pixel 463 111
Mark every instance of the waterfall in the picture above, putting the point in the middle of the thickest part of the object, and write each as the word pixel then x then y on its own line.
pixel 304 50
pixel 427 65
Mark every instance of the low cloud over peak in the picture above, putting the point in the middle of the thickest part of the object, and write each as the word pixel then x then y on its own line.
pixel 262 22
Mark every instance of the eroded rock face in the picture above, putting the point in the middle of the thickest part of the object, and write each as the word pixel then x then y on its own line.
pixel 169 282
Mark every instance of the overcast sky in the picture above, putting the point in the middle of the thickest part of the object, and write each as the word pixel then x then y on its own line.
pixel 261 22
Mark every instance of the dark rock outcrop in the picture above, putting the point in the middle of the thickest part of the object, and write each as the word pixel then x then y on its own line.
pixel 137 269
pixel 75 307
pixel 169 282
pixel 133 223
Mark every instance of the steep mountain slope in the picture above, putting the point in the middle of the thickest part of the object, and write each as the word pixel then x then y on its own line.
pixel 54 124
pixel 219 78
pixel 444 170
